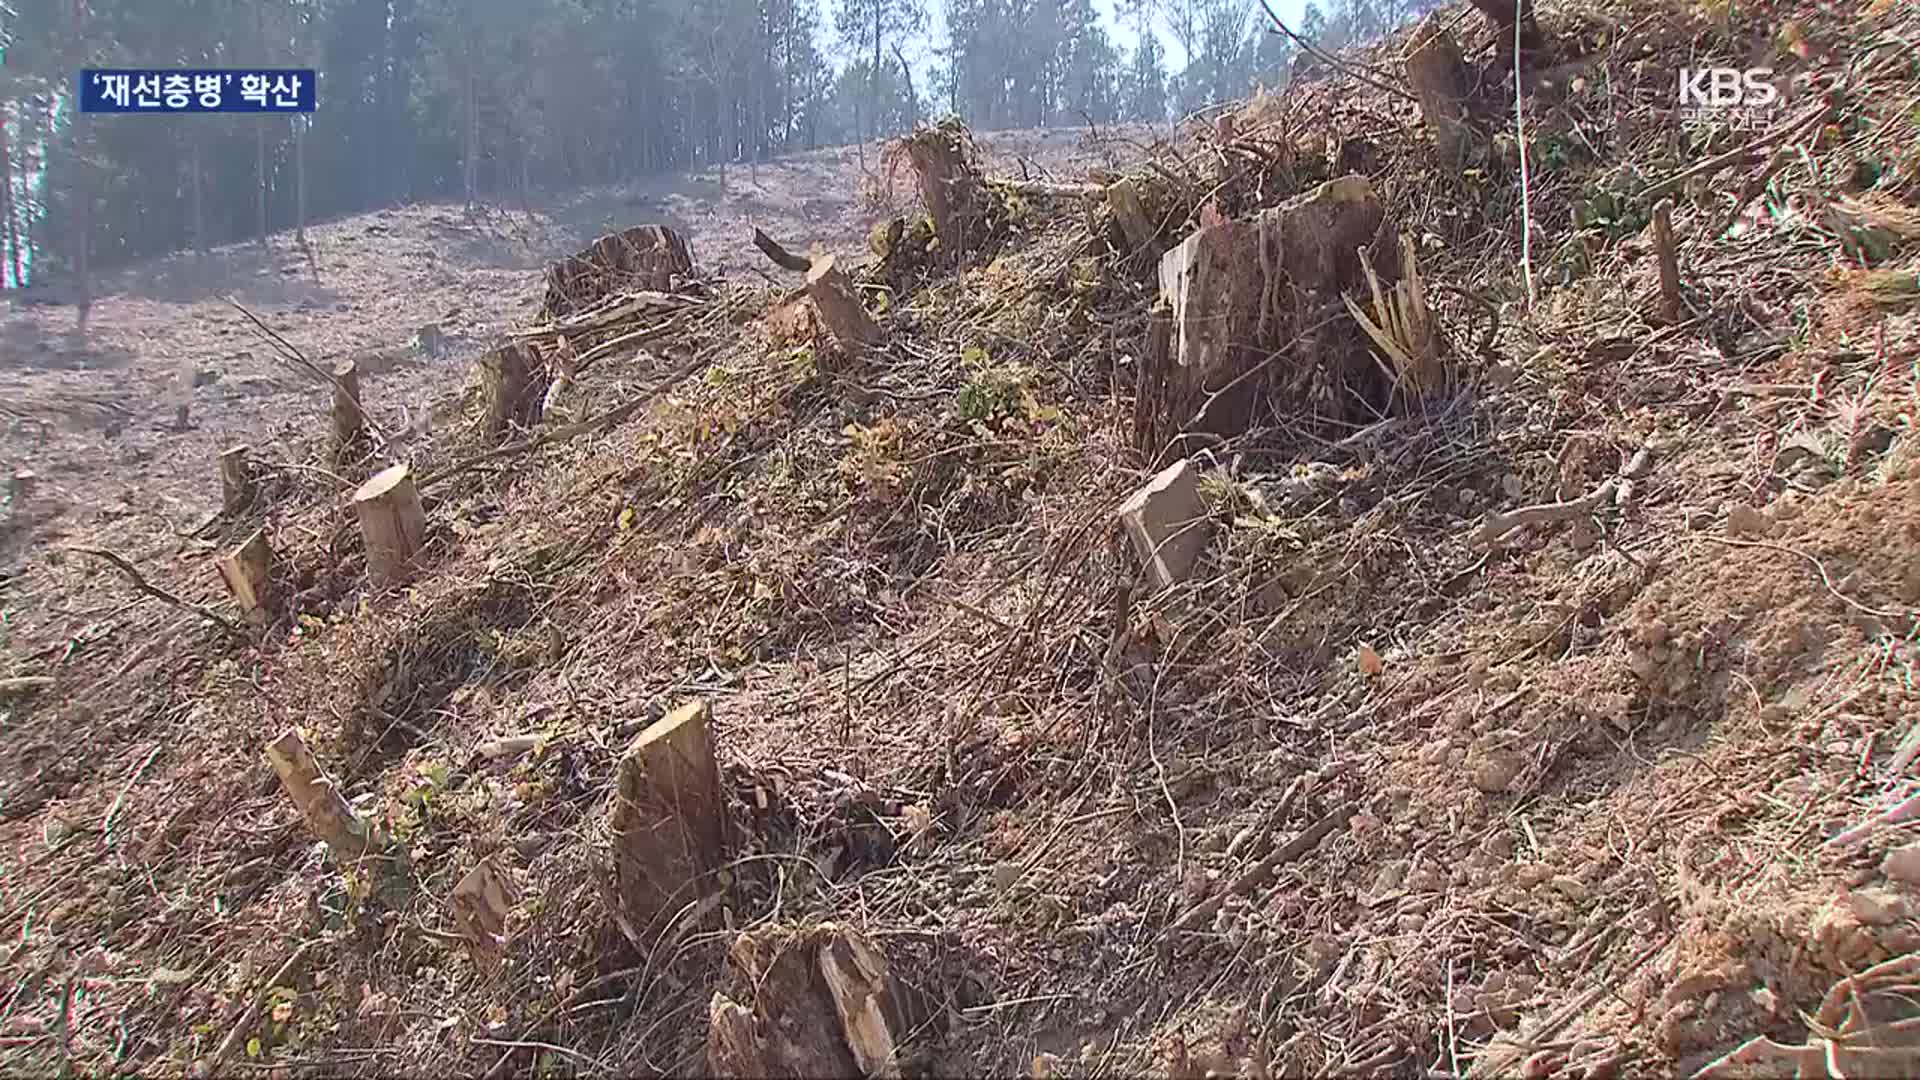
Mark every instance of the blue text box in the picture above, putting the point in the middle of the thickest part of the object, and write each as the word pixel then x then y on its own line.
pixel 197 90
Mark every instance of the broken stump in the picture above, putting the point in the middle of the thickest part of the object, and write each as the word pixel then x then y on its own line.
pixel 326 812
pixel 236 479
pixel 349 421
pixel 506 374
pixel 812 1002
pixel 1124 199
pixel 248 572
pixel 666 823
pixel 1665 249
pixel 1240 289
pixel 1167 523
pixel 838 303
pixel 653 258
pixel 944 163
pixel 392 524
pixel 1438 75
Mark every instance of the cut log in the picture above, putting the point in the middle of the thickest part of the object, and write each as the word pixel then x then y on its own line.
pixel 320 803
pixel 506 373
pixel 21 686
pixel 236 479
pixel 349 421
pixel 1664 248
pixel 248 572
pixel 1123 198
pixel 392 525
pixel 815 1002
pixel 1438 75
pixel 666 823
pixel 840 308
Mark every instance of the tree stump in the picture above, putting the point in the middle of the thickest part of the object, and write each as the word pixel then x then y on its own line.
pixel 666 823
pixel 1669 256
pixel 319 802
pixel 349 421
pixel 1239 288
pixel 806 1003
pixel 840 308
pixel 20 486
pixel 1124 199
pixel 1438 75
pixel 646 257
pixel 506 376
pixel 392 525
pixel 236 479
pixel 1502 17
pixel 248 572
pixel 943 163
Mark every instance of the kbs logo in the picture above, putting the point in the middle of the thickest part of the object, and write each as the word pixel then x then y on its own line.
pixel 1733 96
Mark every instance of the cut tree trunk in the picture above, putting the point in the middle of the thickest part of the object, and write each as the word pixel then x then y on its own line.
pixel 20 487
pixel 506 374
pixel 666 823
pixel 1438 75
pixel 236 479
pixel 646 257
pixel 248 572
pixel 840 308
pixel 804 1003
pixel 392 525
pixel 320 803
pixel 349 419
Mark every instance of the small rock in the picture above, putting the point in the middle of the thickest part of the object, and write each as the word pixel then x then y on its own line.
pixel 1902 864
pixel 1877 907
pixel 1494 773
pixel 1743 519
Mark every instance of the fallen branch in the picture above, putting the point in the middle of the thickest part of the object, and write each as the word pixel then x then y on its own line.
pixel 1047 189
pixel 585 427
pixel 252 1014
pixel 158 593
pixel 1498 526
pixel 1739 153
pixel 24 686
pixel 784 259
pixel 1284 854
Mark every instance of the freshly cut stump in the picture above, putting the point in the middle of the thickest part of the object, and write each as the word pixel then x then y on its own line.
pixel 666 823
pixel 840 308
pixel 319 802
pixel 392 525
pixel 248 572
pixel 236 479
pixel 349 420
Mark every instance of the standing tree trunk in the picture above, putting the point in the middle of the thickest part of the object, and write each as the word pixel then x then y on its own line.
pixel 260 172
pixel 198 184
pixel 913 99
pixel 7 234
pixel 300 180
pixel 471 165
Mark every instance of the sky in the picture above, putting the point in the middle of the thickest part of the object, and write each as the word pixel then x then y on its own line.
pixel 922 56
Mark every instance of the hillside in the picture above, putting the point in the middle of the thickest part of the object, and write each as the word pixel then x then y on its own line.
pixel 1540 700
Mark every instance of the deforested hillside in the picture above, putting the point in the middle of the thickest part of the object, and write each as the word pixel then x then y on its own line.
pixel 1415 576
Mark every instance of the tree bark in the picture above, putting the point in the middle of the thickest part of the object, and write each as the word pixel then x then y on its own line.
pixel 196 139
pixel 1438 75
pixel 236 479
pixel 913 99
pixel 840 307
pixel 248 572
pixel 7 233
pixel 349 417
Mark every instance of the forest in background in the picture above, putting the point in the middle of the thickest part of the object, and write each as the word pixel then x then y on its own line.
pixel 504 99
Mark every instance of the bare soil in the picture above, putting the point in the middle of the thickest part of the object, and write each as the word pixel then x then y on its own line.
pixel 1627 791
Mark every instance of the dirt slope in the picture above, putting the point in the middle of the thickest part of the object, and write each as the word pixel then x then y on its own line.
pixel 1382 789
